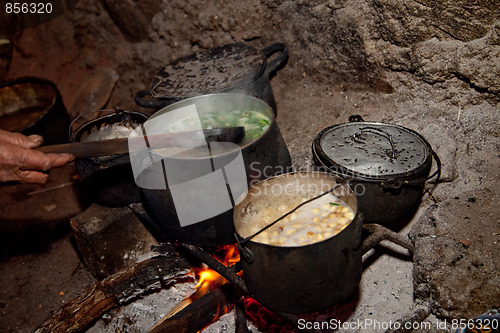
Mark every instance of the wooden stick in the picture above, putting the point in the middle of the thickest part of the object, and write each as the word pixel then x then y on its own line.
pixel 115 290
pixel 240 317
pixel 200 313
pixel 229 273
pixel 380 233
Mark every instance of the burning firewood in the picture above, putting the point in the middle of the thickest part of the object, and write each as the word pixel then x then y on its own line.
pixel 115 290
pixel 199 313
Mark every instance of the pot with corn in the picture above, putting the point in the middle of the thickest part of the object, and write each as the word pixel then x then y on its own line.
pixel 299 235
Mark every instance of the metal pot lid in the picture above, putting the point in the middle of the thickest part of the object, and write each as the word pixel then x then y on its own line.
pixel 207 72
pixel 372 150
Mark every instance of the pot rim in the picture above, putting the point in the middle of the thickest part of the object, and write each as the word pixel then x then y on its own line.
pixel 222 94
pixel 235 85
pixel 321 157
pixel 355 219
pixel 34 81
pixel 76 134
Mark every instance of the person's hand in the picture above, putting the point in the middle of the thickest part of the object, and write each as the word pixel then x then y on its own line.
pixel 18 162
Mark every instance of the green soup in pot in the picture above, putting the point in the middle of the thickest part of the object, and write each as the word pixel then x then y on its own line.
pixel 255 123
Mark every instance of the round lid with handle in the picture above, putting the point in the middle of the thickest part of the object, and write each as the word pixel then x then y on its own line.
pixel 372 150
pixel 207 72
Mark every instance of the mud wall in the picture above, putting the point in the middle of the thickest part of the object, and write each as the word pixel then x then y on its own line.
pixel 366 44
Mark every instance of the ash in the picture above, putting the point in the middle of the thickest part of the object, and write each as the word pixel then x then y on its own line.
pixel 141 315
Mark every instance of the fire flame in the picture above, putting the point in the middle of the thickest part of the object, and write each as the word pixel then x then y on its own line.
pixel 208 279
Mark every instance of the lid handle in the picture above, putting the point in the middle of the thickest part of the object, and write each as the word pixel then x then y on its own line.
pixel 355 118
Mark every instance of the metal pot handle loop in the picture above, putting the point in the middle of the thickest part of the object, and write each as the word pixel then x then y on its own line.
pixel 396 184
pixel 71 131
pixel 392 184
pixel 279 61
pixel 355 118
pixel 438 168
pixel 377 131
pixel 246 253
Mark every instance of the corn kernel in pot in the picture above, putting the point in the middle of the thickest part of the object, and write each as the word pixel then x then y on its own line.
pixel 313 222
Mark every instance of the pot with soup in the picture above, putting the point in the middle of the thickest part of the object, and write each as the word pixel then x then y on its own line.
pixel 190 192
pixel 300 242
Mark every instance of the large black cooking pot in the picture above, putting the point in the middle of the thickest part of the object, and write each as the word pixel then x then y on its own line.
pixel 300 279
pixel 236 68
pixel 262 157
pixel 387 165
pixel 109 179
pixel 32 105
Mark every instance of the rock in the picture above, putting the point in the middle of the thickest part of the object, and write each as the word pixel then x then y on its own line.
pixel 410 22
pixel 493 38
pixel 94 93
pixel 111 239
pixel 478 63
pixel 456 262
pixel 129 19
pixel 444 144
pixel 434 60
pixel 463 20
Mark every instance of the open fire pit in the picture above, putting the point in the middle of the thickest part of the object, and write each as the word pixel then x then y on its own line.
pixel 219 289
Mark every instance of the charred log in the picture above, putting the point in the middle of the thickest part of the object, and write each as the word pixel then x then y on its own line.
pixel 200 312
pixel 115 290
pixel 240 317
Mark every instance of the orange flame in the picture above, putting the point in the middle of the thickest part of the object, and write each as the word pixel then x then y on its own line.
pixel 210 279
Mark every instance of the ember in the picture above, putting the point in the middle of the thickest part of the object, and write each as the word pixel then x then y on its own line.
pixel 268 321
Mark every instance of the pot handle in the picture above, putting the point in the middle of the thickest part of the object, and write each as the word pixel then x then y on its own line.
pixel 279 61
pixel 397 184
pixel 81 120
pixel 245 252
pixel 145 103
pixel 355 118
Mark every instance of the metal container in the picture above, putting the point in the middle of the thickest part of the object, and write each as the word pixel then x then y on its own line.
pixel 33 105
pixel 386 165
pixel 301 279
pixel 236 68
pixel 263 157
pixel 109 179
